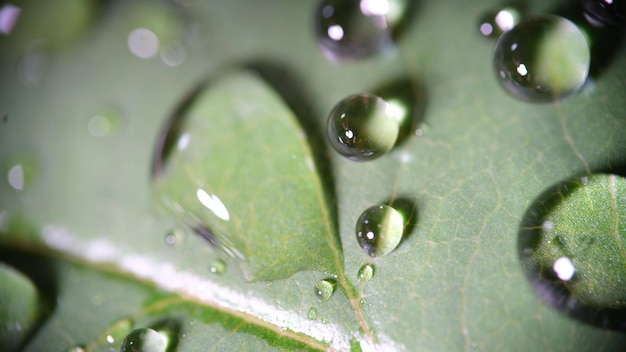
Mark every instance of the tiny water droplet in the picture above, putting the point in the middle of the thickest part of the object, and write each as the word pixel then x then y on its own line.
pixel 605 12
pixel 325 288
pixel 379 230
pixel 495 22
pixel 363 127
pixel 542 59
pixel 175 235
pixel 218 267
pixel 324 320
pixel 569 247
pixel 366 272
pixel 143 340
pixel 352 30
pixel 311 314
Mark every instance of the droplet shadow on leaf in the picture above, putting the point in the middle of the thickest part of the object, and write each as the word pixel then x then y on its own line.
pixel 547 285
pixel 604 42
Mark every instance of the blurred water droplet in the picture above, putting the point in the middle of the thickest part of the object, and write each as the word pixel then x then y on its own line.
pixel 311 314
pixel 324 289
pixel 495 22
pixel 218 267
pixel 9 14
pixel 363 127
pixel 143 340
pixel 173 54
pixel 143 43
pixel 77 348
pixel 20 173
pixel 118 330
pixel 324 320
pixel 16 177
pixel 379 230
pixel 542 59
pixel 104 122
pixel 366 272
pixel 605 12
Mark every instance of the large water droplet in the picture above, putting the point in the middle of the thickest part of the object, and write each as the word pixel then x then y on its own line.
pixel 495 22
pixel 20 310
pixel 379 230
pixel 366 272
pixel 605 12
pixel 350 30
pixel 572 245
pixel 143 340
pixel 363 127
pixel 542 59
pixel 325 288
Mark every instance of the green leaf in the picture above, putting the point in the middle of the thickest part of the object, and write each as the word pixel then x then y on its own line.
pixel 87 203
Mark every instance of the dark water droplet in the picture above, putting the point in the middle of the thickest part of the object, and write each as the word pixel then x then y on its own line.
pixel 143 340
pixel 605 12
pixel 311 314
pixel 542 59
pixel 571 246
pixel 351 30
pixel 366 272
pixel 379 230
pixel 325 288
pixel 495 22
pixel 363 127
pixel 21 307
pixel 218 267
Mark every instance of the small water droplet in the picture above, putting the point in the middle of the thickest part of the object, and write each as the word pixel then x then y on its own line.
pixel 174 236
pixel 578 276
pixel 143 43
pixel 311 314
pixel 363 127
pixel 324 289
pixel 116 331
pixel 542 59
pixel 495 22
pixel 379 230
pixel 104 122
pixel 605 12
pixel 20 173
pixel 218 267
pixel 366 272
pixel 143 340
pixel 324 320
pixel 352 30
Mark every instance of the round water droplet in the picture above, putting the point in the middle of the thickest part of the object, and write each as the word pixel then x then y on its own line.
pixel 572 247
pixel 218 267
pixel 350 30
pixel 363 127
pixel 143 340
pixel 542 59
pixel 605 12
pixel 379 230
pixel 104 122
pixel 366 272
pixel 311 314
pixel 324 289
pixel 493 23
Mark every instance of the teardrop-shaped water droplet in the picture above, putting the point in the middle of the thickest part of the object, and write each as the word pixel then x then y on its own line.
pixel 605 12
pixel 542 59
pixel 495 22
pixel 21 307
pixel 581 278
pixel 379 230
pixel 143 340
pixel 366 272
pixel 218 267
pixel 311 314
pixel 325 288
pixel 351 30
pixel 363 127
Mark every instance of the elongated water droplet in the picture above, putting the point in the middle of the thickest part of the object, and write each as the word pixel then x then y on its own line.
pixel 311 314
pixel 218 267
pixel 379 230
pixel 351 30
pixel 363 127
pixel 542 59
pixel 605 12
pixel 143 340
pixel 495 22
pixel 324 289
pixel 571 245
pixel 366 272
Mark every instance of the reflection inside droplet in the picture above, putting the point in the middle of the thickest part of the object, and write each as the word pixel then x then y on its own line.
pixel 564 268
pixel 9 15
pixel 213 203
pixel 143 43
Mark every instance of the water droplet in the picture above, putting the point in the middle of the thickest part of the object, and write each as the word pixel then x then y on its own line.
pixel 366 272
pixel 324 289
pixel 9 14
pixel 605 12
pixel 104 122
pixel 218 267
pixel 311 314
pixel 379 230
pixel 352 30
pixel 174 236
pixel 76 349
pixel 493 23
pixel 581 277
pixel 324 320
pixel 116 331
pixel 20 172
pixel 143 340
pixel 542 59
pixel 363 127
